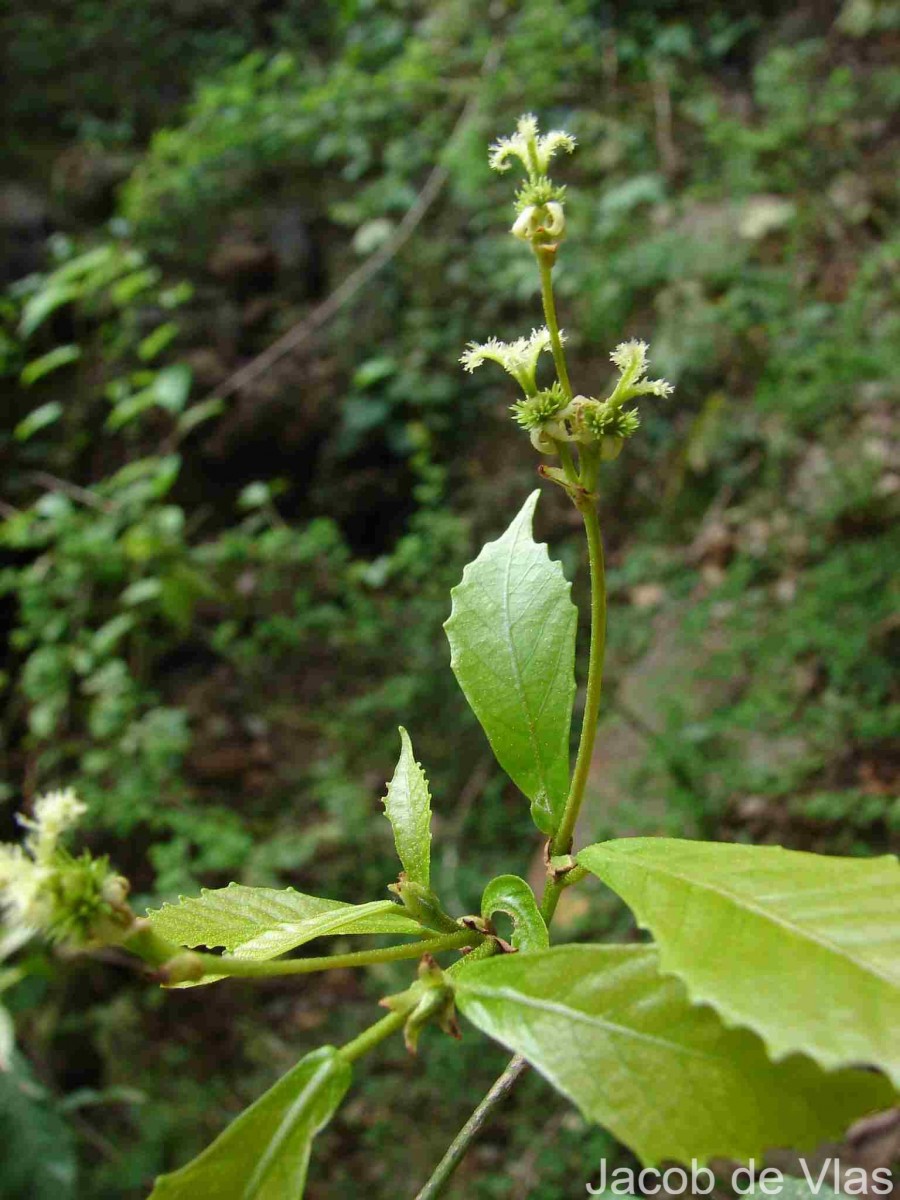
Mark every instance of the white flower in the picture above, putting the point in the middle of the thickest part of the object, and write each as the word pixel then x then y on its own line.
pixel 22 882
pixel 519 358
pixel 54 814
pixel 532 149
pixel 631 359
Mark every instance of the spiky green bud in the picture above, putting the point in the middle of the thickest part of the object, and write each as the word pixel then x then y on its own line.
pixel 534 412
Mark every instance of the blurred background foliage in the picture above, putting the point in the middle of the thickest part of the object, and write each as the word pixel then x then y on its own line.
pixel 218 600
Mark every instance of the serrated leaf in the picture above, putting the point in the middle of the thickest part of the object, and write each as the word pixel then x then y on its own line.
pixel 666 1077
pixel 262 923
pixel 511 895
pixel 407 806
pixel 802 948
pixel 264 1153
pixel 512 642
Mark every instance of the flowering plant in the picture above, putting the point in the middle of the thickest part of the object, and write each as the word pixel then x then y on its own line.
pixel 682 1050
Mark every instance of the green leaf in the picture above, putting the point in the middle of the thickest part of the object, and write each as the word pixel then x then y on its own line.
pixel 43 304
pixel 154 343
pixel 264 1153
pixel 61 356
pixel 172 387
pixel 511 895
pixel 802 948
pixel 407 806
pixel 37 420
pixel 262 923
pixel 512 642
pixel 666 1077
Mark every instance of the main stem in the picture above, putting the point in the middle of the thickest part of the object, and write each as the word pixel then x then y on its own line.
pixel 545 263
pixel 562 839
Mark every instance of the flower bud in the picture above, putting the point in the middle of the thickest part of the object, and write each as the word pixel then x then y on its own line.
pixel 523 226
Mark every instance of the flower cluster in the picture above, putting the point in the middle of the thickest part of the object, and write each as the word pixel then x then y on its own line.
pixel 43 889
pixel 541 219
pixel 558 421
pixel 518 358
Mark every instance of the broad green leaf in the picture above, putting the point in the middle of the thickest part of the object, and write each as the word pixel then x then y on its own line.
pixel 511 895
pixel 512 642
pixel 38 419
pixel 264 1153
pixel 802 948
pixel 262 923
pixel 60 356
pixel 665 1076
pixel 407 806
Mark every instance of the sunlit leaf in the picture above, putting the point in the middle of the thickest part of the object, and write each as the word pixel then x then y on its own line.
pixel 802 948
pixel 512 638
pixel 262 923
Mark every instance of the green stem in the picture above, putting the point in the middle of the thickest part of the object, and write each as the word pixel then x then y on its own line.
pixel 248 968
pixel 562 840
pixel 460 1144
pixel 370 1037
pixel 545 262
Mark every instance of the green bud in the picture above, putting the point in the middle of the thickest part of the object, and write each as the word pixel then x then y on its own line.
pixel 423 905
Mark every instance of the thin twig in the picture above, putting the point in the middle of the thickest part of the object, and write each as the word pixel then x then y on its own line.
pixel 55 484
pixel 460 1144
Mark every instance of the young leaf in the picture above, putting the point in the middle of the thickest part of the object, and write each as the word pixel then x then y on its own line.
pixel 802 948
pixel 264 1153
pixel 511 895
pixel 666 1077
pixel 512 642
pixel 262 923
pixel 407 806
